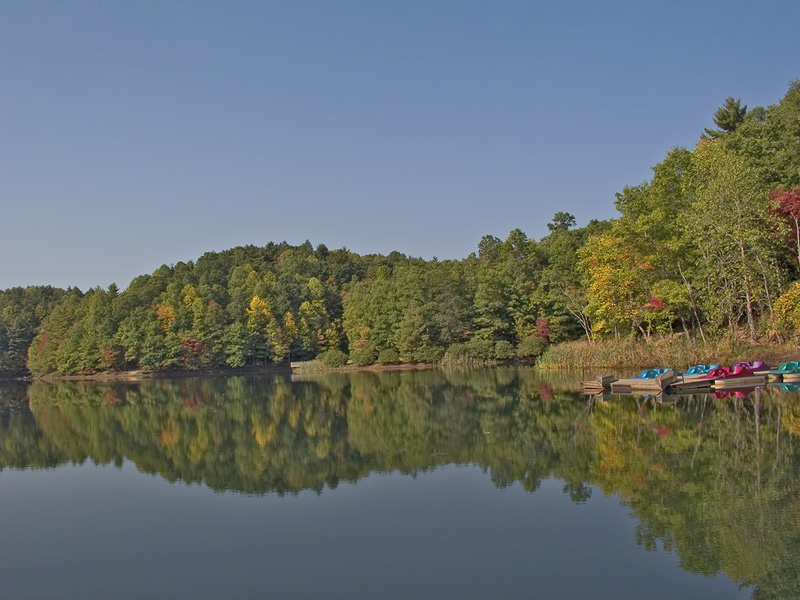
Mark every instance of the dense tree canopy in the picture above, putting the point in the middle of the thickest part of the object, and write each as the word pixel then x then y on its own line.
pixel 710 244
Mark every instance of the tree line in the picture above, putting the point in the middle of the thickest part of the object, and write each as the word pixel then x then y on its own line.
pixel 708 247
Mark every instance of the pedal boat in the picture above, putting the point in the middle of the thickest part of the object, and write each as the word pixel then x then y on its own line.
pixel 789 371
pixel 695 376
pixel 758 367
pixel 738 377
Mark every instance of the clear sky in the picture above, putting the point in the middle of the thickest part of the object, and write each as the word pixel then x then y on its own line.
pixel 134 134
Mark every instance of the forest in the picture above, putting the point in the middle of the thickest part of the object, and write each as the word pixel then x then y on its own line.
pixel 708 248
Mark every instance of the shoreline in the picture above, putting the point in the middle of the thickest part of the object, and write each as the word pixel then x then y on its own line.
pixel 313 367
pixel 580 355
pixel 140 375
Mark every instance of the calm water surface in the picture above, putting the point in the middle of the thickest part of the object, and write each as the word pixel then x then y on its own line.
pixel 493 484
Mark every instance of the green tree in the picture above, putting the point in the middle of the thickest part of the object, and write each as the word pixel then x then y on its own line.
pixel 44 352
pixel 131 333
pixel 561 295
pixel 770 140
pixel 260 328
pixel 727 117
pixel 617 293
pixel 285 338
pixel 413 340
pixel 212 335
pixel 21 313
pixel 363 351
pixel 235 341
pixel 154 350
pixel 727 223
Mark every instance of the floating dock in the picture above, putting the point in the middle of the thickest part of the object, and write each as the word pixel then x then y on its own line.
pixel 686 383
pixel 598 384
pixel 657 384
pixel 740 382
pixel 669 385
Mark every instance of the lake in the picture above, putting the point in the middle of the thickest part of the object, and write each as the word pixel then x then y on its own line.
pixel 499 483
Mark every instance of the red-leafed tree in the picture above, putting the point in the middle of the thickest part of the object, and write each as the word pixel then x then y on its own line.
pixel 543 329
pixel 787 204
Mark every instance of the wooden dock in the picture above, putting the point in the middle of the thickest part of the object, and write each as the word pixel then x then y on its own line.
pixel 598 384
pixel 741 382
pixel 657 384
pixel 686 383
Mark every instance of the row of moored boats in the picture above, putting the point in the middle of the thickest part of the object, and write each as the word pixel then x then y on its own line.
pixel 698 377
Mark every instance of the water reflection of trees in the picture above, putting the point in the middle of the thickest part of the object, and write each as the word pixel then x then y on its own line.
pixel 714 480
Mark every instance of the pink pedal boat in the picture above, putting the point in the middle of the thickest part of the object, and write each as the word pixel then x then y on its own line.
pixel 758 367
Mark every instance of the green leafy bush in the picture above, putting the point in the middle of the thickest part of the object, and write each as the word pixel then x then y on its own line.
pixel 503 350
pixel 388 356
pixel 457 351
pixel 364 354
pixel 431 354
pixel 481 349
pixel 531 345
pixel 787 310
pixel 333 358
pixel 478 351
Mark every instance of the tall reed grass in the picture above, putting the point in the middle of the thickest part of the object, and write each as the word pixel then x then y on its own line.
pixel 677 352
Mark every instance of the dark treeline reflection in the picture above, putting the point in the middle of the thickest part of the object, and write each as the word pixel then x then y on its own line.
pixel 714 480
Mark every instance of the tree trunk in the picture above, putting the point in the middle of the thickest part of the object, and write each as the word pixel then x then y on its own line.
pixel 766 287
pixel 685 328
pixel 729 309
pixel 694 304
pixel 751 321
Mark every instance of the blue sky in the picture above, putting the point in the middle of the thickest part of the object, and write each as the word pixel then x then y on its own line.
pixel 134 134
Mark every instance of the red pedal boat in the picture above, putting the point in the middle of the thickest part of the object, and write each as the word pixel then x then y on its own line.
pixel 738 376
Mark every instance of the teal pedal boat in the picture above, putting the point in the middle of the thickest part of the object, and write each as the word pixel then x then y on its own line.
pixel 788 371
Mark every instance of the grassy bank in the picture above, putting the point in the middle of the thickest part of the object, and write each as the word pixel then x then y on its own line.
pixel 138 375
pixel 317 366
pixel 677 352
